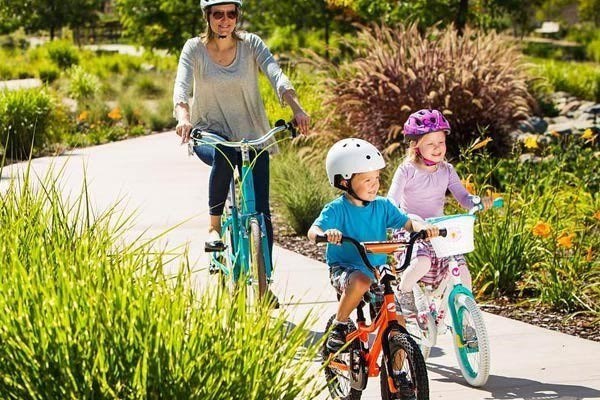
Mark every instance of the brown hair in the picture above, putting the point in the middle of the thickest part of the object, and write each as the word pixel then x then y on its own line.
pixel 209 34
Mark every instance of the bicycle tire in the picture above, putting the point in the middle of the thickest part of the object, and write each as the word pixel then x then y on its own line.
pixel 401 344
pixel 425 338
pixel 333 376
pixel 226 280
pixel 257 261
pixel 473 357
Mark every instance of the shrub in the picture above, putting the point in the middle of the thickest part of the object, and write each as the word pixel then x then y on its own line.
pixel 300 187
pixel 83 86
pixel 84 316
pixel 28 119
pixel 477 80
pixel 63 53
pixel 579 79
pixel 48 73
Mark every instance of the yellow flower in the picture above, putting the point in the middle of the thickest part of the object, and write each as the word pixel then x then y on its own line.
pixel 479 144
pixel 587 134
pixel 115 114
pixel 468 185
pixel 494 195
pixel 541 229
pixel 565 240
pixel 531 142
pixel 83 116
pixel 589 256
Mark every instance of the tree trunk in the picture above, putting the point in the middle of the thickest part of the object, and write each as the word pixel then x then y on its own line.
pixel 461 16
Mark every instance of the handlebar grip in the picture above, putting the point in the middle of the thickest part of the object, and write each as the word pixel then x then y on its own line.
pixel 443 232
pixel 321 239
pixel 499 202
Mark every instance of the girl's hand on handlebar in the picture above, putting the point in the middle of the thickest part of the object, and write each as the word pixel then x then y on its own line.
pixel 302 121
pixel 487 202
pixel 333 236
pixel 183 129
pixel 432 230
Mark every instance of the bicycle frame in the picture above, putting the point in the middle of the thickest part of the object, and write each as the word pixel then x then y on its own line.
pixel 240 214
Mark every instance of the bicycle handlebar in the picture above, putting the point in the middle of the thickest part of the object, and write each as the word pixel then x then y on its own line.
pixel 360 247
pixel 198 135
pixel 498 203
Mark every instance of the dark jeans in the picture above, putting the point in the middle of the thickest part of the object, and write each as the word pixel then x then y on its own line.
pixel 222 159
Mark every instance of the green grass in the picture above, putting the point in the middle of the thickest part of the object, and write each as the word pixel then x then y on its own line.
pixel 579 79
pixel 86 316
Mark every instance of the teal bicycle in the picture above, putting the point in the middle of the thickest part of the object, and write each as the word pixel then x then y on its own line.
pixel 243 255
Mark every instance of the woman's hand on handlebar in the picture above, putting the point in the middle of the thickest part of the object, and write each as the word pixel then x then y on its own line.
pixel 302 121
pixel 183 129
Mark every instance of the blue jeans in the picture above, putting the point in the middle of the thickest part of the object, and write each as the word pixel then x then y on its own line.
pixel 222 159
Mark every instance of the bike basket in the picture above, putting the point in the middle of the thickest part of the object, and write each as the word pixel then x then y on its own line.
pixel 458 240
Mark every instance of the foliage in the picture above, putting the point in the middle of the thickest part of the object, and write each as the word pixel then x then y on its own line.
pixel 476 80
pixel 85 316
pixel 83 86
pixel 62 53
pixel 50 15
pixel 164 24
pixel 300 191
pixel 28 121
pixel 589 10
pixel 579 79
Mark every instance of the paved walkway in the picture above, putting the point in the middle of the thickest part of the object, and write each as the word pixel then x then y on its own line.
pixel 154 176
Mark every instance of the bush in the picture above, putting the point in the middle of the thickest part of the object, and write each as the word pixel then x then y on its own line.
pixel 48 73
pixel 63 53
pixel 28 121
pixel 592 51
pixel 83 86
pixel 84 317
pixel 300 187
pixel 476 80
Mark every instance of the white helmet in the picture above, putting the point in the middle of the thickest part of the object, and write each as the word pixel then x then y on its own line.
pixel 208 3
pixel 352 156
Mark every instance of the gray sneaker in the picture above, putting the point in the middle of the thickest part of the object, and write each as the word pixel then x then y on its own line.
pixel 407 303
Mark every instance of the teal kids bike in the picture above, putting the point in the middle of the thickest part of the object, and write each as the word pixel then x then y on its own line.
pixel 243 253
pixel 450 306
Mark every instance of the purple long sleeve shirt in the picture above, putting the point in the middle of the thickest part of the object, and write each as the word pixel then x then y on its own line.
pixel 423 193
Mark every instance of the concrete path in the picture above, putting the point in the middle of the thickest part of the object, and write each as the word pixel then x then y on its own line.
pixel 154 176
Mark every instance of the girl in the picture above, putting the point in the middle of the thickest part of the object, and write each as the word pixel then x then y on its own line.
pixel 419 188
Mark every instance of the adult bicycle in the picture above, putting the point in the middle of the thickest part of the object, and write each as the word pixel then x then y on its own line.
pixel 243 253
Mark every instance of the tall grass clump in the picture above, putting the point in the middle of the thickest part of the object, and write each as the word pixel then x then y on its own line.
pixel 85 316
pixel 29 121
pixel 299 188
pixel 63 53
pixel 83 86
pixel 579 79
pixel 477 80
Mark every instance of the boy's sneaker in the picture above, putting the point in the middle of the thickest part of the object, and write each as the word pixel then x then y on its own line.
pixel 405 387
pixel 337 338
pixel 407 303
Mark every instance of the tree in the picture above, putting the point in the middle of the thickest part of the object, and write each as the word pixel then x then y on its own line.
pixel 51 15
pixel 589 10
pixel 163 24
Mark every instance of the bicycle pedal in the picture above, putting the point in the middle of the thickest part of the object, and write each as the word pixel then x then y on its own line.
pixel 216 246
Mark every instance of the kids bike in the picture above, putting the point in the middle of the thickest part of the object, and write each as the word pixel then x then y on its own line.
pixel 243 255
pixel 402 369
pixel 451 306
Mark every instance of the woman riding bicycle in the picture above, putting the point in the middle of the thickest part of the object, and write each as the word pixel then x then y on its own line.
pixel 220 68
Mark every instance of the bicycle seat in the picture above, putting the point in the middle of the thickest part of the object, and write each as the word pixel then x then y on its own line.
pixel 214 246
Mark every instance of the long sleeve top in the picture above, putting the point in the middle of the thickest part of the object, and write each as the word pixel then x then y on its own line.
pixel 420 192
pixel 226 99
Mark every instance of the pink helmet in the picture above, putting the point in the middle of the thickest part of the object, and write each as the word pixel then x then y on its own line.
pixel 425 121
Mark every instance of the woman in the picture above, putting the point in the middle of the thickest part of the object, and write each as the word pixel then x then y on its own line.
pixel 222 69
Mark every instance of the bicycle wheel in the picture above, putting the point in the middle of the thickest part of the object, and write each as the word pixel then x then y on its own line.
pixel 227 260
pixel 424 332
pixel 410 372
pixel 471 343
pixel 257 262
pixel 338 382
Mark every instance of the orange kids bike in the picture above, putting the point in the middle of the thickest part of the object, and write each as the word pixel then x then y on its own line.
pixel 402 369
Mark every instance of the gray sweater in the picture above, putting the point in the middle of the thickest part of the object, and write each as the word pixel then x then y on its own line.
pixel 227 99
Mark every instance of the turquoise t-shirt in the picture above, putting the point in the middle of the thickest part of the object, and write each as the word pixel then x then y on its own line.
pixel 365 224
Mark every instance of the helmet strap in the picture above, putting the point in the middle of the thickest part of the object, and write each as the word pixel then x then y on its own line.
pixel 352 193
pixel 427 162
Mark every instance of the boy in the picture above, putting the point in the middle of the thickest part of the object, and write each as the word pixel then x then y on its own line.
pixel 354 165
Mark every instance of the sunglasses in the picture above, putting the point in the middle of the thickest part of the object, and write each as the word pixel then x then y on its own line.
pixel 220 14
